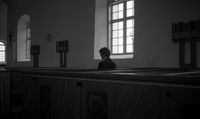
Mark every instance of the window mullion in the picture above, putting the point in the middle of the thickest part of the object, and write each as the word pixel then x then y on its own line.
pixel 117 20
pixel 118 2
pixel 128 18
pixel 124 43
pixel 111 37
pixel 111 41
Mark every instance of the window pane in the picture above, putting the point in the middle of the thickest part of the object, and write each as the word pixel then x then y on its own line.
pixel 2 52
pixel 129 48
pixel 120 25
pixel 115 34
pixel 2 48
pixel 120 49
pixel 129 12
pixel 114 8
pixel 114 49
pixel 114 26
pixel 115 16
pixel 114 42
pixel 120 15
pixel 120 41
pixel 129 40
pixel 121 7
pixel 129 32
pixel 2 56
pixel 120 33
pixel 129 4
pixel 129 23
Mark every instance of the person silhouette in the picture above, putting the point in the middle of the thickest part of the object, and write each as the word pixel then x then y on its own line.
pixel 106 63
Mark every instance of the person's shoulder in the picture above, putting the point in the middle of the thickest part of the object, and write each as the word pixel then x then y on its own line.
pixel 100 64
pixel 110 60
pixel 113 65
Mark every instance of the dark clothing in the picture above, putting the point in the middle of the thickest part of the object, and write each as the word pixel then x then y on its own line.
pixel 107 64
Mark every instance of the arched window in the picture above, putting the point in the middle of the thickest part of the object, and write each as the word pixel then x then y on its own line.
pixel 23 38
pixel 2 52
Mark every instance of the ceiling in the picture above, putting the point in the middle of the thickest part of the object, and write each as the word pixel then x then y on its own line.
pixel 21 4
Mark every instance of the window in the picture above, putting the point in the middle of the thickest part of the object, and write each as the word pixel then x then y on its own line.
pixel 23 38
pixel 2 52
pixel 114 28
pixel 121 27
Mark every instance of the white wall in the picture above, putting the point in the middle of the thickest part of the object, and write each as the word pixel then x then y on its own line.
pixel 154 47
pixel 100 32
pixel 3 21
pixel 74 21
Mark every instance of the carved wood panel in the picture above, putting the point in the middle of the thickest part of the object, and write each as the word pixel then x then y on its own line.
pixel 97 100
pixel 1 99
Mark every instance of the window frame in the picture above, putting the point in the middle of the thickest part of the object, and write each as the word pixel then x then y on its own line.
pixel 124 20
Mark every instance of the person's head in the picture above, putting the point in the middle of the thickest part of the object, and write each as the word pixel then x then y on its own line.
pixel 104 52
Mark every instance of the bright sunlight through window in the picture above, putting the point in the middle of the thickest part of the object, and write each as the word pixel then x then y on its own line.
pixel 2 52
pixel 122 27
